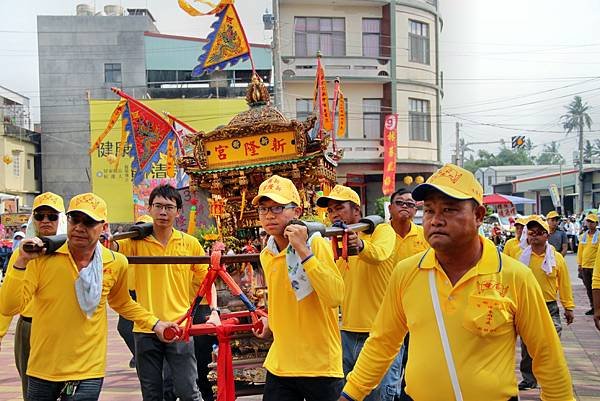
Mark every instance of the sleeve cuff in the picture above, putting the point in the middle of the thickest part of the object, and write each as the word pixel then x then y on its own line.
pixel 310 263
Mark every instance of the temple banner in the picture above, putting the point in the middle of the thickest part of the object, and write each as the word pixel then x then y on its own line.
pixel 390 134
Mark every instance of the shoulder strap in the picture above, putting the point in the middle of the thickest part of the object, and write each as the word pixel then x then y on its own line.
pixel 444 336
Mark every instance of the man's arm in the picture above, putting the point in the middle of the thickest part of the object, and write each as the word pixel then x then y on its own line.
pixel 22 279
pixel 378 246
pixel 565 244
pixel 565 291
pixel 535 326
pixel 383 344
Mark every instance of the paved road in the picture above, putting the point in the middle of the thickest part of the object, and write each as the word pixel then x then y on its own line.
pixel 581 343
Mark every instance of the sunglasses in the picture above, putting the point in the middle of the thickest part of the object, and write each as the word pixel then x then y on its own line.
pixel 408 205
pixel 41 216
pixel 82 219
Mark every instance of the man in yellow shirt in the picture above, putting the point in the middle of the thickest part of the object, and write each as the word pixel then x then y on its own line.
pixel 48 218
pixel 71 288
pixel 550 271
pixel 463 303
pixel 513 245
pixel 366 276
pixel 410 240
pixel 165 291
pixel 305 291
pixel 596 290
pixel 586 255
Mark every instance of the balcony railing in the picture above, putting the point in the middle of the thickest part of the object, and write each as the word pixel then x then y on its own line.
pixel 372 149
pixel 344 67
pixel 21 133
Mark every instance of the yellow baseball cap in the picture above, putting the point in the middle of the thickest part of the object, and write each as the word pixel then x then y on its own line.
pixel 144 219
pixel 551 214
pixel 90 204
pixel 339 193
pixel 454 181
pixel 51 200
pixel 521 220
pixel 537 219
pixel 278 189
pixel 592 217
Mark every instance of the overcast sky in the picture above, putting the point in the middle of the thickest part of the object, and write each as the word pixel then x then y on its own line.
pixel 510 66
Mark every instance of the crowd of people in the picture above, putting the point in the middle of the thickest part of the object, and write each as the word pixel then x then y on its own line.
pixel 339 327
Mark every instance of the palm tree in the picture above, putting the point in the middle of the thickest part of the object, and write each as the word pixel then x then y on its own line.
pixel 575 120
pixel 550 154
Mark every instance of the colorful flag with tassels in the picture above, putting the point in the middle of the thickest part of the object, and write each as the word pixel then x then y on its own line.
pixel 227 43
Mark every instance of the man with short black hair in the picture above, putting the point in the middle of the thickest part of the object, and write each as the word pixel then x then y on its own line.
pixel 558 238
pixel 305 291
pixel 463 303
pixel 165 290
pixel 586 255
pixel 551 273
pixel 366 276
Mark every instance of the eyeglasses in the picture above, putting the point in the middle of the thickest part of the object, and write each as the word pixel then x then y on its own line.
pixel 82 219
pixel 41 216
pixel 262 210
pixel 536 233
pixel 167 208
pixel 408 205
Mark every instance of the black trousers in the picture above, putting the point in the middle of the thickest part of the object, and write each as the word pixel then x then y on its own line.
pixel 586 277
pixel 279 388
pixel 203 346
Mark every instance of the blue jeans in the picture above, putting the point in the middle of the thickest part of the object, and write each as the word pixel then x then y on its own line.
pixel 352 344
pixel 44 390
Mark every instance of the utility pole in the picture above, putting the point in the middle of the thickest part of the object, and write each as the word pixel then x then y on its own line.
pixel 458 160
pixel 580 175
pixel 277 76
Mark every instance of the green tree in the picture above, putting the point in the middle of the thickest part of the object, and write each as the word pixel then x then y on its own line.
pixel 596 151
pixel 506 157
pixel 576 119
pixel 550 154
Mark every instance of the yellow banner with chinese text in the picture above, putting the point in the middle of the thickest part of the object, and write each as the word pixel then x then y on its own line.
pixel 114 185
pixel 255 149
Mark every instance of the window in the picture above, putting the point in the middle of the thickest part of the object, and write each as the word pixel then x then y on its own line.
pixel 112 72
pixel 419 120
pixel 418 42
pixel 371 37
pixel 509 178
pixel 325 34
pixel 16 155
pixel 28 164
pixel 372 118
pixel 304 109
pixel 490 180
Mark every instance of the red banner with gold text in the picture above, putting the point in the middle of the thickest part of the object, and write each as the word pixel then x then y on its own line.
pixel 390 133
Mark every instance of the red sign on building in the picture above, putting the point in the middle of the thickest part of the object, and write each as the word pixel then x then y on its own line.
pixel 390 141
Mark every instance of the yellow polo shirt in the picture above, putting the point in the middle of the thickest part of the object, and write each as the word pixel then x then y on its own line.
pixel 556 282
pixel 586 253
pixel 512 247
pixel 306 334
pixel 165 289
pixel 5 321
pixel 413 243
pixel 366 277
pixel 483 312
pixel 65 344
pixel 596 273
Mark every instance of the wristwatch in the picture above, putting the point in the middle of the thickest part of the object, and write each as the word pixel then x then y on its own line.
pixel 215 310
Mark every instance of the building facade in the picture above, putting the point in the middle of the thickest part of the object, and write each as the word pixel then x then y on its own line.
pixel 491 176
pixel 386 55
pixel 81 57
pixel 20 172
